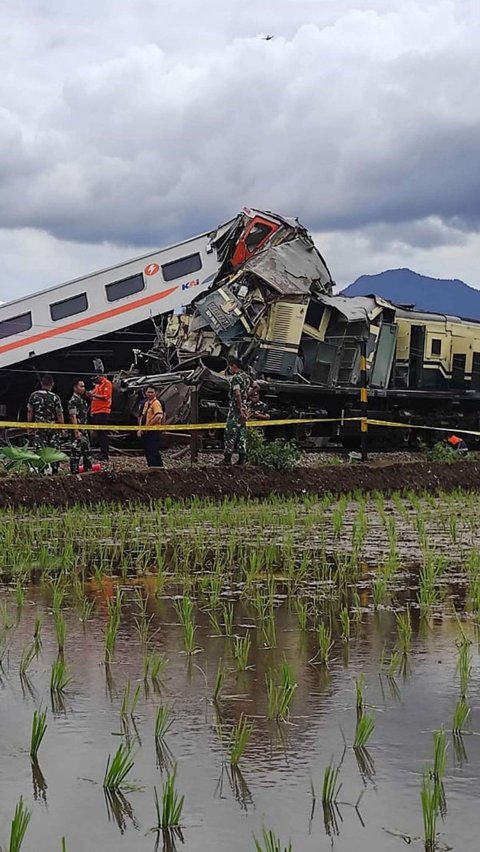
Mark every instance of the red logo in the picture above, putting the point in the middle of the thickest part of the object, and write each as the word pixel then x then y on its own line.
pixel 151 269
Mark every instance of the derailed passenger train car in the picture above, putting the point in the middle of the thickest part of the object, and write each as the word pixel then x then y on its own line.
pixel 256 288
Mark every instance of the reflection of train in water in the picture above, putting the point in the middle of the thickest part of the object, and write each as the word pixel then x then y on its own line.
pixel 258 288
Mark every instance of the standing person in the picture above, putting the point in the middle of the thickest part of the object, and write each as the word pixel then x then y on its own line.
pixel 100 410
pixel 235 435
pixel 152 415
pixel 78 415
pixel 45 406
pixel 257 410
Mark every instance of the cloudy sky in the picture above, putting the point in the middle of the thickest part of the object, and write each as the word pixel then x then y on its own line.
pixel 129 124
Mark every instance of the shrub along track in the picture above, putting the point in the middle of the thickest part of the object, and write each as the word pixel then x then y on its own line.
pixel 248 481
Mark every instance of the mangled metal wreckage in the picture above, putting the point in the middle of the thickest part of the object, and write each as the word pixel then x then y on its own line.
pixel 276 312
pixel 256 288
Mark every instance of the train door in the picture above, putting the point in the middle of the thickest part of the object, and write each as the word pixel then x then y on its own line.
pixel 458 372
pixel 416 358
pixel 384 354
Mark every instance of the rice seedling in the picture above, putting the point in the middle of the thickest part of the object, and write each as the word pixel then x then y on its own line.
pixel 189 631
pixel 153 666
pixel 271 843
pixel 280 691
pixel 393 664
pixel 19 593
pixel 214 622
pixel 360 693
pixel 379 589
pixel 270 630
pixel 37 634
pixel 338 515
pixel 301 608
pixel 118 768
pixel 39 726
pixel 239 739
pixel 325 644
pixel 464 664
pixel 330 786
pixel 184 610
pixel 6 619
pixel 428 594
pixel 142 626
pixel 345 624
pixel 241 651
pixel 363 731
pixel 111 632
pixel 460 716
pixel 169 812
pixel 129 703
pixel 58 594
pixel 60 630
pixel 18 826
pixel 404 632
pixel 163 722
pixel 228 615
pixel 28 655
pixel 219 679
pixel 429 796
pixel 439 754
pixel 59 676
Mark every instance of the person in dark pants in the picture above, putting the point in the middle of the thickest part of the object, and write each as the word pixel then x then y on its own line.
pixel 100 409
pixel 152 415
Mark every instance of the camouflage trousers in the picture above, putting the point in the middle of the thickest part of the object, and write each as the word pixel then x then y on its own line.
pixel 80 450
pixel 47 438
pixel 235 437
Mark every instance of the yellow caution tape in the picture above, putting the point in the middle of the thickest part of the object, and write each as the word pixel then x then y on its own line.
pixel 448 429
pixel 174 427
pixel 207 427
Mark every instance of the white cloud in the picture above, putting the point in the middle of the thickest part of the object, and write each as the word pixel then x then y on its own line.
pixel 166 119
pixel 368 251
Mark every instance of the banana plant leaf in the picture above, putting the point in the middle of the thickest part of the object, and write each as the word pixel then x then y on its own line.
pixel 50 455
pixel 36 460
pixel 19 454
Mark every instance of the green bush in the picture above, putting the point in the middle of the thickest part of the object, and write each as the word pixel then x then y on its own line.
pixel 35 461
pixel 277 454
pixel 441 452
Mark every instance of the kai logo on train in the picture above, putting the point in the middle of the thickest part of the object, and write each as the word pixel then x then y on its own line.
pixel 188 284
pixel 151 269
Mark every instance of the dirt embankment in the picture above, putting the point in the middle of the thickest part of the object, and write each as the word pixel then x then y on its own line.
pixel 219 482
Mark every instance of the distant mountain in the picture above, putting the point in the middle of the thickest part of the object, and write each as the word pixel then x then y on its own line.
pixel 405 287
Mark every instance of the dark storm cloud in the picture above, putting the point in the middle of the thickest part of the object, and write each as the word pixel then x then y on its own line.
pixel 157 124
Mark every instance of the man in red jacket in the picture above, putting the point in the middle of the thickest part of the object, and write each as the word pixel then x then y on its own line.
pixel 101 406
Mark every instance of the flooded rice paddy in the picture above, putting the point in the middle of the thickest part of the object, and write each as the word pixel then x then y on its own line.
pixel 259 641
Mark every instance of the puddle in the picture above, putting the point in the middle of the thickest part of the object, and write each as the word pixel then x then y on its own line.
pixel 224 809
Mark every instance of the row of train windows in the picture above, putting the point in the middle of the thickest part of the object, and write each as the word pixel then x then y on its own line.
pixel 114 291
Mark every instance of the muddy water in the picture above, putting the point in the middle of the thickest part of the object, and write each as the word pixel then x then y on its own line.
pixel 221 811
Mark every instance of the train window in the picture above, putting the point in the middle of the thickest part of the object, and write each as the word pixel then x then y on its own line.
pixel 436 346
pixel 15 325
pixel 475 382
pixel 125 287
pixel 256 235
pixel 181 267
pixel 69 307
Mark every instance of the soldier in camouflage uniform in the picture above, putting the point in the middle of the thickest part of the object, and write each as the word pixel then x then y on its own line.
pixel 78 414
pixel 45 406
pixel 235 435
pixel 257 410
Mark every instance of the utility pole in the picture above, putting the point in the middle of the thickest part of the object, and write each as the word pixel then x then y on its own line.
pixel 363 399
pixel 194 414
